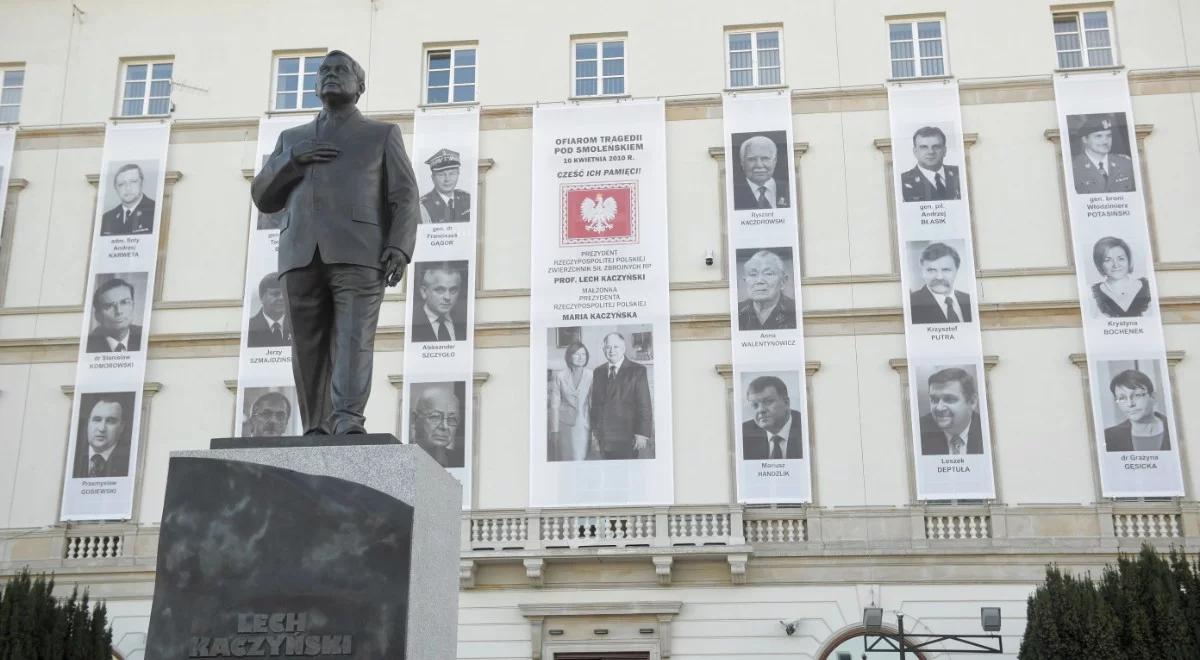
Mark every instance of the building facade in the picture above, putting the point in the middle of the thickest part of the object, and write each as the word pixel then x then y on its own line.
pixel 705 576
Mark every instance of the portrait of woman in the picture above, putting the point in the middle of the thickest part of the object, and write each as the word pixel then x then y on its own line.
pixel 1120 294
pixel 569 405
pixel 1144 428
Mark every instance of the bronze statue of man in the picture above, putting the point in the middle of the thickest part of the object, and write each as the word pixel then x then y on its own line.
pixel 350 217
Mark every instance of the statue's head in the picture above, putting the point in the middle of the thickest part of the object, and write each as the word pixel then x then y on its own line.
pixel 340 79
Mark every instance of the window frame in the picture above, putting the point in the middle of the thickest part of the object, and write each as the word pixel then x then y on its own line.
pixel 149 63
pixel 5 69
pixel 914 22
pixel 754 31
pixel 452 49
pixel 1077 12
pixel 276 57
pixel 599 40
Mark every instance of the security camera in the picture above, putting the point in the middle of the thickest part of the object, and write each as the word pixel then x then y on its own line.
pixel 789 627
pixel 709 257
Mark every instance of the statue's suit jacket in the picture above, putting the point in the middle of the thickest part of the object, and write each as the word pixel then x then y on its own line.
pixel 349 208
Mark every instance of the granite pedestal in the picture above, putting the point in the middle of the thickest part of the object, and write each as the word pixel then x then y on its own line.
pixel 327 551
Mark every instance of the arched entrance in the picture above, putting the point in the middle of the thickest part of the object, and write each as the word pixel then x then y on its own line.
pixel 847 644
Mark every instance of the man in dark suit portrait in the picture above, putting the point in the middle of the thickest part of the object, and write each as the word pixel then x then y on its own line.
pixel 435 425
pixel 930 180
pixel 269 327
pixel 269 415
pixel 349 231
pixel 445 203
pixel 135 213
pixel 775 432
pixel 440 286
pixel 113 309
pixel 102 449
pixel 952 426
pixel 938 301
pixel 1096 169
pixel 759 189
pixel 766 307
pixel 620 410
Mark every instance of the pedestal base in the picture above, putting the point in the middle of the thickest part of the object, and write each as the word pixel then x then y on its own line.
pixel 318 551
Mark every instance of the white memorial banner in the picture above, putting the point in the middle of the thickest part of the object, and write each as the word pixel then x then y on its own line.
pixel 106 414
pixel 770 415
pixel 1137 442
pixel 952 447
pixel 267 405
pixel 437 409
pixel 600 346
pixel 8 138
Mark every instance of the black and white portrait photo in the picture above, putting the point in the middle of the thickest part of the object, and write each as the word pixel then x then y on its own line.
pixel 436 421
pixel 1100 153
pixel 761 170
pixel 766 289
pixel 270 412
pixel 772 428
pixel 118 303
pixel 932 177
pixel 936 267
pixel 948 404
pixel 1133 405
pixel 269 324
pixel 439 308
pixel 102 441
pixel 128 198
pixel 445 202
pixel 599 383
pixel 1120 288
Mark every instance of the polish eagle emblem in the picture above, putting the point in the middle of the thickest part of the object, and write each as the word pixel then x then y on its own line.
pixel 598 213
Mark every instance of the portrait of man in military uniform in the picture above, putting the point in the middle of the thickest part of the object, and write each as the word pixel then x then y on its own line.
pixel 766 290
pixel 132 212
pixel 1100 153
pixel 930 179
pixel 445 203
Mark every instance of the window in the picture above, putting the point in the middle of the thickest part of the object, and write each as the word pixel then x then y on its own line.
pixel 296 81
pixel 599 67
pixel 1091 49
pixel 450 75
pixel 146 89
pixel 12 82
pixel 754 58
pixel 917 49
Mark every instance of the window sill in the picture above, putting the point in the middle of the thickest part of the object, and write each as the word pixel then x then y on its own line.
pixel 920 79
pixel 598 97
pixel 136 118
pixel 757 88
pixel 1092 69
pixel 448 104
pixel 296 111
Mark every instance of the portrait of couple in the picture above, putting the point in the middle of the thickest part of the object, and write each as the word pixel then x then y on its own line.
pixel 599 400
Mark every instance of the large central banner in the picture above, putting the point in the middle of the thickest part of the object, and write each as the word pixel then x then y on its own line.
pixel 771 418
pixel 599 329
pixel 952 447
pixel 1137 442
pixel 106 415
